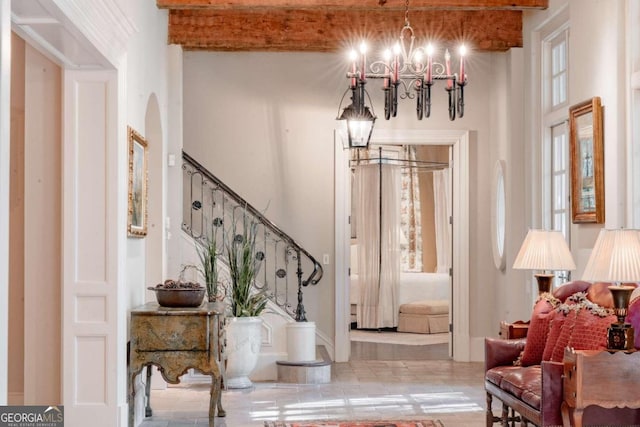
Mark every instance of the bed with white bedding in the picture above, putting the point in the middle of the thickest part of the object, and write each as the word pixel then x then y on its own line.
pixel 412 287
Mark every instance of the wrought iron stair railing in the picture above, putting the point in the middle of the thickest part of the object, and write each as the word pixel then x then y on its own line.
pixel 210 205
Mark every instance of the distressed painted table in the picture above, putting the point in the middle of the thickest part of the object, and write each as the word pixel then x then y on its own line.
pixel 175 340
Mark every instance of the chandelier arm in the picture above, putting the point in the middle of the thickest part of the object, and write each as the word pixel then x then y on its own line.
pixel 461 101
pixel 452 103
pixel 427 101
pixel 394 100
pixel 420 101
pixel 387 103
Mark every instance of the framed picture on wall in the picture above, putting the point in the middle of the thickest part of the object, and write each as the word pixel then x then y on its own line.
pixel 137 222
pixel 587 162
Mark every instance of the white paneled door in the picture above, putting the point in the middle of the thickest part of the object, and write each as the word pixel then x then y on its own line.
pixel 93 344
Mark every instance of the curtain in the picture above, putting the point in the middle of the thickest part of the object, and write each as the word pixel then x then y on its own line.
pixel 378 244
pixel 442 202
pixel 410 219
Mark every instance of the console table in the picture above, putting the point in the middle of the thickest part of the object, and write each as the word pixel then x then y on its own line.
pixel 176 340
pixel 601 378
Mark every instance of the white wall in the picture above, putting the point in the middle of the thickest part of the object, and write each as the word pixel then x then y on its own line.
pixel 147 72
pixel 263 123
pixel 597 67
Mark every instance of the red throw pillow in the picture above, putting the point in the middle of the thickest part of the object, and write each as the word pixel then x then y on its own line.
pixel 600 294
pixel 590 328
pixel 538 329
pixel 568 289
pixel 559 315
pixel 565 335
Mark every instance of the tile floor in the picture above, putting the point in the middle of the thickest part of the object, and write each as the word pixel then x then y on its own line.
pixel 415 387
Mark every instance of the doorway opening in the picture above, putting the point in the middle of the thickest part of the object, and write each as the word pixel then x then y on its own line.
pixel 455 145
pixel 400 252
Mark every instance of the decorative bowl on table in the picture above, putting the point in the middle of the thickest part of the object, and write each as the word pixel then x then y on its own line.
pixel 174 293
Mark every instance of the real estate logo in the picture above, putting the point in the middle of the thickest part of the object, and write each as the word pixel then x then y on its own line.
pixel 31 416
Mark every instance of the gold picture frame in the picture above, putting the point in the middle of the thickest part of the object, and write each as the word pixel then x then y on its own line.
pixel 137 217
pixel 587 161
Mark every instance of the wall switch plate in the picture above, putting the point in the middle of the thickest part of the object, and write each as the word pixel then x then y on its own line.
pixel 325 259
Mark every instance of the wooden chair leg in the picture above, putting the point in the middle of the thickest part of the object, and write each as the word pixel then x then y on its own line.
pixel 490 419
pixel 505 415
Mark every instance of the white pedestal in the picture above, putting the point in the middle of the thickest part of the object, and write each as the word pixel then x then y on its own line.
pixel 301 341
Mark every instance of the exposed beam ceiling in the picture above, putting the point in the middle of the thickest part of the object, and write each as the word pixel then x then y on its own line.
pixel 333 25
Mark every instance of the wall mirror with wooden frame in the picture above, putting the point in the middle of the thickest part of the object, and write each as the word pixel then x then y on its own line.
pixel 587 161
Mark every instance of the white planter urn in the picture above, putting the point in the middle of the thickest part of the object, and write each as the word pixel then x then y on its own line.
pixel 244 339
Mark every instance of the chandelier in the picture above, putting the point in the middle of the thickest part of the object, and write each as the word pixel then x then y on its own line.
pixel 406 71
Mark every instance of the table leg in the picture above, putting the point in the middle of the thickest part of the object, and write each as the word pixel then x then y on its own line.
pixel 147 392
pixel 131 398
pixel 215 400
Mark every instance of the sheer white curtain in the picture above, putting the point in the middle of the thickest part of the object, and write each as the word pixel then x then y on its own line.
pixel 378 244
pixel 442 202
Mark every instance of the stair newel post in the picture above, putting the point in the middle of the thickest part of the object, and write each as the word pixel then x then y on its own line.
pixel 300 313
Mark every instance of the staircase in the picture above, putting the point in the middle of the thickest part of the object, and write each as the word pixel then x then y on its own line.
pixel 286 268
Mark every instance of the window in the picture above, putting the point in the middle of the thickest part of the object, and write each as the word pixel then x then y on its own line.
pixel 555 147
pixel 558 71
pixel 560 179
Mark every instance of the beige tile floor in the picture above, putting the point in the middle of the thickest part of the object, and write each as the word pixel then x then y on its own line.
pixel 360 389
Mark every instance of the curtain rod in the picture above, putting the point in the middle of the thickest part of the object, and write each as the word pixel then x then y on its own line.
pixel 403 163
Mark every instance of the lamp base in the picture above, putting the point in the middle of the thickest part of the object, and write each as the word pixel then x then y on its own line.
pixel 544 282
pixel 620 337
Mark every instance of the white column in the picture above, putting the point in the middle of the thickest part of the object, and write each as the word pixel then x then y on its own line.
pixel 5 85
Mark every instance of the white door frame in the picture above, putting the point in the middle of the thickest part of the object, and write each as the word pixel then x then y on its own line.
pixel 459 142
pixel 5 124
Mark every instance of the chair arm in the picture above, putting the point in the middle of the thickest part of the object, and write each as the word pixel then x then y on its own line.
pixel 498 352
pixel 552 397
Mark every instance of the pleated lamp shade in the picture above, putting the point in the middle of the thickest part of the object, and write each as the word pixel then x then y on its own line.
pixel 615 257
pixel 544 250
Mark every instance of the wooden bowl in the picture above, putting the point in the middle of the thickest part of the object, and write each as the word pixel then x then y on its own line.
pixel 178 297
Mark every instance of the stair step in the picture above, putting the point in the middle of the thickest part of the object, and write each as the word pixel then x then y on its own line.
pixel 310 372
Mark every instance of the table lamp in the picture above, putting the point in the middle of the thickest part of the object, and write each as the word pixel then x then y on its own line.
pixel 545 250
pixel 616 258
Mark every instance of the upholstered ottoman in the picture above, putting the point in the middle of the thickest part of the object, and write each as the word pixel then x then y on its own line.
pixel 424 317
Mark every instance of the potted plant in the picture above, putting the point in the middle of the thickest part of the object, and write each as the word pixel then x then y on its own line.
pixel 208 254
pixel 244 326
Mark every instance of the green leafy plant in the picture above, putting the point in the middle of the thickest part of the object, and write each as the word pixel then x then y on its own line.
pixel 208 254
pixel 244 263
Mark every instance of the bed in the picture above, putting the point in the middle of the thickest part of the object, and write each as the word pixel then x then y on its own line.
pixel 412 287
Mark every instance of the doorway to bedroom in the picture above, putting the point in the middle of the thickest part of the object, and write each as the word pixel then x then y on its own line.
pixel 458 142
pixel 400 252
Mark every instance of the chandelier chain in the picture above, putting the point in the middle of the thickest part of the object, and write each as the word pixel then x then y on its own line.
pixel 406 13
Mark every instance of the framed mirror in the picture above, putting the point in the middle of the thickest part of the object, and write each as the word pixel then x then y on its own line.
pixel 137 214
pixel 498 216
pixel 587 162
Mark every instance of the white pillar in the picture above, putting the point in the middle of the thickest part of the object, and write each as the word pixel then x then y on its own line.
pixel 301 342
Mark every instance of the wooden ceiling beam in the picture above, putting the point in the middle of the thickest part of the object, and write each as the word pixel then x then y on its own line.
pixel 317 31
pixel 354 4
